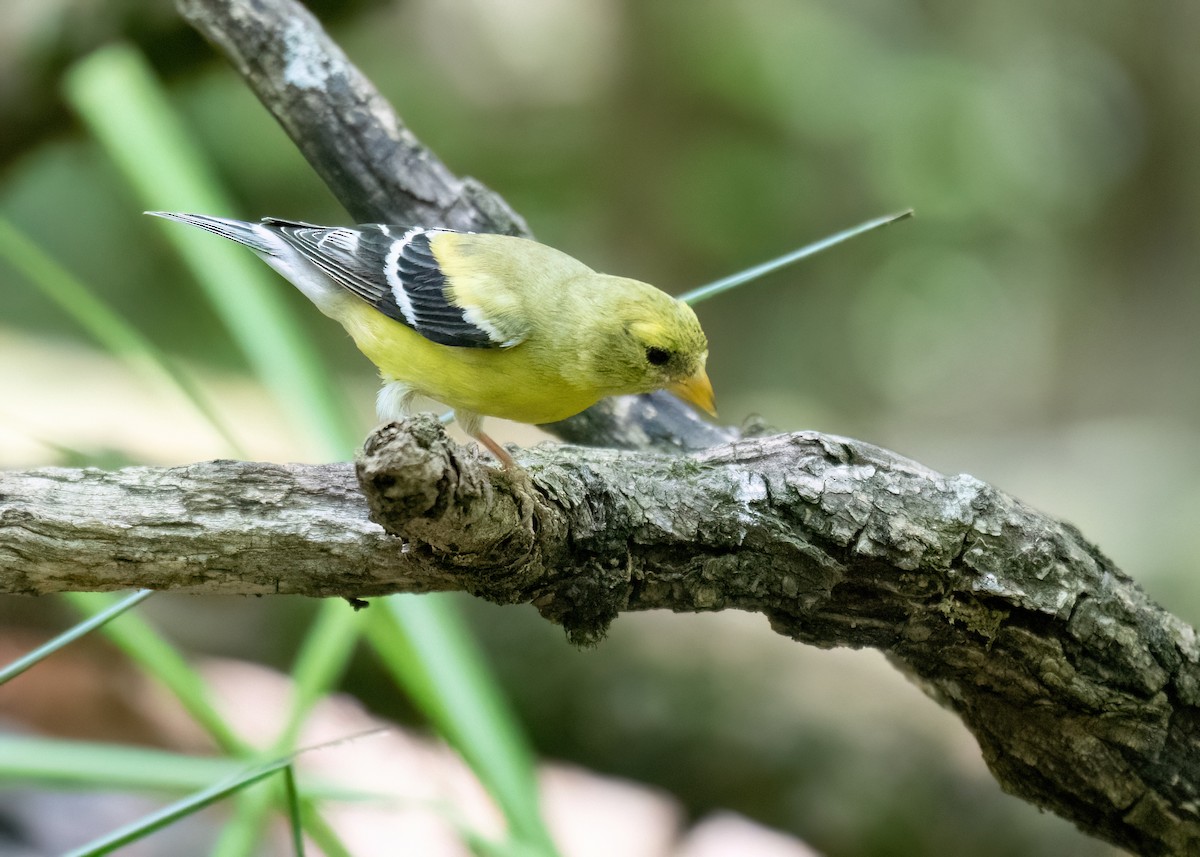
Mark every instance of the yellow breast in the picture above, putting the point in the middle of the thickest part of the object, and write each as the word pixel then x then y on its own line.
pixel 519 383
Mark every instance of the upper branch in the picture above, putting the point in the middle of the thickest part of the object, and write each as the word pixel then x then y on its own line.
pixel 346 130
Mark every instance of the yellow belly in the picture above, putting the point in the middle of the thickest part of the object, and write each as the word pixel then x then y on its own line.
pixel 519 383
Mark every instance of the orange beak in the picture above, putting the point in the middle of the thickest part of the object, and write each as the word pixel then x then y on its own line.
pixel 698 390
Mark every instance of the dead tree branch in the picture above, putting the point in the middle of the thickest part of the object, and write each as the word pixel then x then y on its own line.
pixel 1083 694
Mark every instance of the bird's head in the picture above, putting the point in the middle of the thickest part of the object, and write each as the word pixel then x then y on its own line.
pixel 652 342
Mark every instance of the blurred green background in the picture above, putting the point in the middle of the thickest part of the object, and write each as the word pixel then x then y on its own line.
pixel 1034 326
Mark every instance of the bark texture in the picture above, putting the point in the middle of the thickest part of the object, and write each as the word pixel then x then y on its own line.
pixel 337 118
pixel 1083 694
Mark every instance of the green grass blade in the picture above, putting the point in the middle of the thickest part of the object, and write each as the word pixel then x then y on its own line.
pixel 59 763
pixel 66 764
pixel 146 647
pixel 321 833
pixel 124 106
pixel 155 821
pixel 205 797
pixel 72 634
pixel 295 816
pixel 105 326
pixel 326 649
pixel 434 659
pixel 242 833
pixel 151 651
pixel 323 656
pixel 703 293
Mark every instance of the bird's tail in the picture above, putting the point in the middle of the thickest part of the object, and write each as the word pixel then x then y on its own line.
pixel 252 235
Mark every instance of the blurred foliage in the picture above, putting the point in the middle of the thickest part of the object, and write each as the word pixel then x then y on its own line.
pixel 41 38
pixel 1035 325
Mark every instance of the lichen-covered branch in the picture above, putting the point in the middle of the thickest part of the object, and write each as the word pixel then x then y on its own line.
pixel 1084 695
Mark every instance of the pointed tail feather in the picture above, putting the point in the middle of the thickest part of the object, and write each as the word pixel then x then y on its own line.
pixel 252 235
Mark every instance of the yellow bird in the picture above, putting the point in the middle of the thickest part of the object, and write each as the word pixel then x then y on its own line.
pixel 491 325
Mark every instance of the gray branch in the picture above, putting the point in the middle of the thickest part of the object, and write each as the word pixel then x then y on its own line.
pixel 1083 694
pixel 346 130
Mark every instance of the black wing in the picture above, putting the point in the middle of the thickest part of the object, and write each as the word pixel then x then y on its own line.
pixel 394 270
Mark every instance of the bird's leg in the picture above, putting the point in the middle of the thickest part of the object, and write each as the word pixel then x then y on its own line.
pixel 472 424
pixel 506 460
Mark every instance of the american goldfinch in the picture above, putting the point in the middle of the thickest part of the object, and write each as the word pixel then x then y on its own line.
pixel 490 325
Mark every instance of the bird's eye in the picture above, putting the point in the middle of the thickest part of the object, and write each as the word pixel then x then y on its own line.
pixel 656 356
